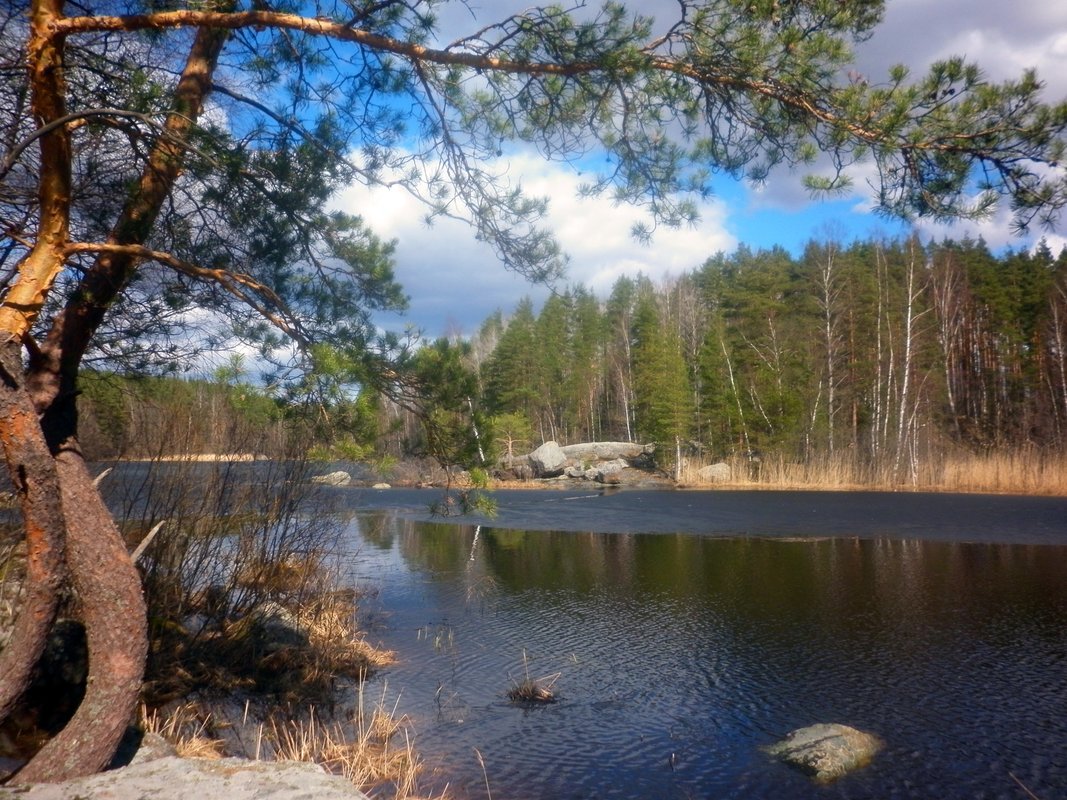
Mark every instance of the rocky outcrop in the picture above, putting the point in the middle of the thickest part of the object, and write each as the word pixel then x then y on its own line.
pixel 603 472
pixel 598 461
pixel 826 751
pixel 173 778
pixel 606 451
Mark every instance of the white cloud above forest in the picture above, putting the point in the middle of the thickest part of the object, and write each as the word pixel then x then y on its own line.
pixel 455 281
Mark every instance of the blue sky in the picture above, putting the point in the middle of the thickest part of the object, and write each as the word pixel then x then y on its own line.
pixel 455 282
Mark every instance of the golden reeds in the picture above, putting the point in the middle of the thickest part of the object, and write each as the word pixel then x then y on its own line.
pixel 1026 471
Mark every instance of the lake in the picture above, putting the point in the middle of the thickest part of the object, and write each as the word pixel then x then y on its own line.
pixel 685 630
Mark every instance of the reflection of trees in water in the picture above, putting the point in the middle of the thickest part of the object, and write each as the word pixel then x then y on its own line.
pixel 836 583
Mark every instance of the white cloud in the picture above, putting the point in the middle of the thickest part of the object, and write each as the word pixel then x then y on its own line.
pixel 455 282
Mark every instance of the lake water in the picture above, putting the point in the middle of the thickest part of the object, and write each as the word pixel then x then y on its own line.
pixel 682 646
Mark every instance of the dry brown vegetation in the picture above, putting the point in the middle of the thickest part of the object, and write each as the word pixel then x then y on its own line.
pixel 373 748
pixel 1028 471
pixel 533 690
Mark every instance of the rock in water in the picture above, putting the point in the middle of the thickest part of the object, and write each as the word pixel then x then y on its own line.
pixel 826 751
pixel 339 478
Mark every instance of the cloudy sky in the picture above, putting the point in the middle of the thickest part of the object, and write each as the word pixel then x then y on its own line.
pixel 455 282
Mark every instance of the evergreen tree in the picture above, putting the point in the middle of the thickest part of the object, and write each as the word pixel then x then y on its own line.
pixel 661 380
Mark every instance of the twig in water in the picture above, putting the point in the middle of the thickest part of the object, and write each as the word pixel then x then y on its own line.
pixel 1023 786
pixel 481 762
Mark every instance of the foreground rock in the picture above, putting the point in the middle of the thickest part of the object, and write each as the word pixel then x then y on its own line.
pixel 173 778
pixel 548 460
pixel 826 751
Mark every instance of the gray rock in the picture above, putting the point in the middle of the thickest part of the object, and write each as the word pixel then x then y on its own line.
pixel 715 473
pixel 826 751
pixel 173 778
pixel 274 627
pixel 604 471
pixel 548 460
pixel 606 451
pixel 338 478
pixel 153 747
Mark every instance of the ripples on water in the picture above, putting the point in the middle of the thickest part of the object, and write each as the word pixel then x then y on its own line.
pixel 681 655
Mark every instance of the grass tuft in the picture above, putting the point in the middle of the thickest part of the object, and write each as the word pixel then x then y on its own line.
pixel 533 691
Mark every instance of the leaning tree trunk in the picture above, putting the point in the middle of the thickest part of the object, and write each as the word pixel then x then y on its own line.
pixel 38 423
pixel 111 606
pixel 30 464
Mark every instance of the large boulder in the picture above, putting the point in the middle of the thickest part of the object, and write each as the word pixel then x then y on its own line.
pixel 605 451
pixel 173 778
pixel 548 460
pixel 715 473
pixel 826 751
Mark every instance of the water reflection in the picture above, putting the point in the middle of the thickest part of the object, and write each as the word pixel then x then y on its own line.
pixel 680 655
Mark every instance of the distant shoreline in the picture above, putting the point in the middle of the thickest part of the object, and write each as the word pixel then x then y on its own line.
pixel 198 457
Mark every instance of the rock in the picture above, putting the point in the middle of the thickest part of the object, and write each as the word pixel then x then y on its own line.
pixel 548 460
pixel 153 747
pixel 715 473
pixel 606 451
pixel 338 478
pixel 607 470
pixel 381 486
pixel 173 778
pixel 274 627
pixel 826 751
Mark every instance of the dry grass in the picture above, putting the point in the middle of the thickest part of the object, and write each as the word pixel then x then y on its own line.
pixel 186 730
pixel 1027 471
pixel 533 690
pixel 374 751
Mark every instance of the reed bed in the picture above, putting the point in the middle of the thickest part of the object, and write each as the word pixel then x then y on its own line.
pixel 1026 471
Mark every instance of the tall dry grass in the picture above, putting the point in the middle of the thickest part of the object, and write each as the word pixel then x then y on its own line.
pixel 1024 471
pixel 374 750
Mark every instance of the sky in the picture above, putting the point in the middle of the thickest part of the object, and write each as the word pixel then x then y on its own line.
pixel 454 282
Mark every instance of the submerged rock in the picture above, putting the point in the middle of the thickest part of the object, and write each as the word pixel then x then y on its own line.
pixel 826 751
pixel 338 478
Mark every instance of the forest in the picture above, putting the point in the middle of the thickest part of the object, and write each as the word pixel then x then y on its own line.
pixel 879 358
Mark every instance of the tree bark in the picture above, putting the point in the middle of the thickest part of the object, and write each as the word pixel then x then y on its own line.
pixel 111 606
pixel 30 465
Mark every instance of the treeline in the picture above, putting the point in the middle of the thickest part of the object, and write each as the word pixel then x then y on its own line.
pixel 883 354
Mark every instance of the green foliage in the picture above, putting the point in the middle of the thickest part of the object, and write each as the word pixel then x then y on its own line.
pixel 453 426
pixel 896 348
pixel 661 382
